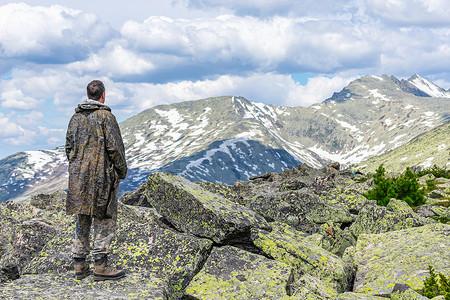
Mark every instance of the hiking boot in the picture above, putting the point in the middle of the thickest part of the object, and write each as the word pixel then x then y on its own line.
pixel 81 268
pixel 104 272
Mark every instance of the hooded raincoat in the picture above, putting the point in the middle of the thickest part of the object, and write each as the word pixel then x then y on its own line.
pixel 96 155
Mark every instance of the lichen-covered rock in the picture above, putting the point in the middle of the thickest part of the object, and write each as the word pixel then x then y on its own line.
pixel 438 202
pixel 425 211
pixel 195 210
pixel 64 286
pixel 441 211
pixel 357 296
pixel 141 246
pixel 346 197
pixel 301 209
pixel 24 231
pixel 290 246
pixel 423 179
pixel 378 219
pixel 438 194
pixel 336 240
pixel 232 273
pixel 308 287
pixel 54 201
pixel 407 295
pixel 136 197
pixel 443 184
pixel 403 256
pixel 399 206
pixel 32 236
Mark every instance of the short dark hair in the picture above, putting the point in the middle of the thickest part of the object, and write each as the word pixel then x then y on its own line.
pixel 95 89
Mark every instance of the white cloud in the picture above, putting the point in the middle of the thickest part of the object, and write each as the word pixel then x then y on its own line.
pixel 26 131
pixel 411 13
pixel 8 128
pixel 266 8
pixel 15 99
pixel 114 61
pixel 228 44
pixel 53 34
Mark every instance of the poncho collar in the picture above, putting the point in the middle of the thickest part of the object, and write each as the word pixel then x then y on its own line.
pixel 89 104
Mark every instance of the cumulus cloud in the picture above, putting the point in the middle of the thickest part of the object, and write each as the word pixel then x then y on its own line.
pixel 411 13
pixel 231 44
pixel 49 34
pixel 265 8
pixel 26 132
pixel 8 128
pixel 15 99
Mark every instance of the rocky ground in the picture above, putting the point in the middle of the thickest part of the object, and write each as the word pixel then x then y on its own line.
pixel 301 234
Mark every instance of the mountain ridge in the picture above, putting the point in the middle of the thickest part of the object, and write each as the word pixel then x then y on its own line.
pixel 207 139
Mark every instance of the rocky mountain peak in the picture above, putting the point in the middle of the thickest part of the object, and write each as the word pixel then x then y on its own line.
pixel 428 87
pixel 415 85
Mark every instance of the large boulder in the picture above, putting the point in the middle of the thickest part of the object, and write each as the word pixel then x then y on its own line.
pixel 232 273
pixel 136 197
pixel 346 197
pixel 290 246
pixel 301 209
pixel 379 219
pixel 65 286
pixel 333 239
pixel 311 288
pixel 142 246
pixel 356 296
pixel 24 231
pixel 407 295
pixel 443 184
pixel 190 208
pixel 383 260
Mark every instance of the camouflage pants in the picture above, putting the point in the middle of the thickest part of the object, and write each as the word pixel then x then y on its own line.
pixel 104 231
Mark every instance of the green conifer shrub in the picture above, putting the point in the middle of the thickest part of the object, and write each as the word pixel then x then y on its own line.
pixel 405 188
pixel 436 284
pixel 436 171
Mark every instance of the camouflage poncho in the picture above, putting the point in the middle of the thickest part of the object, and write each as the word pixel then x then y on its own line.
pixel 96 155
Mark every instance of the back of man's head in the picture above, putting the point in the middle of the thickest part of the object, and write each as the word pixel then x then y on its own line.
pixel 95 89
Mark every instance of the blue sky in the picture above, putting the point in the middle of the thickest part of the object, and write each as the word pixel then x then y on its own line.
pixel 282 52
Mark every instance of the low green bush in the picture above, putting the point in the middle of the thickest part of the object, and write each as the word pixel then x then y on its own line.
pixel 404 187
pixel 436 171
pixel 436 285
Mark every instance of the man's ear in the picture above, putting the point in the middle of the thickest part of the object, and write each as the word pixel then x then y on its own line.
pixel 102 98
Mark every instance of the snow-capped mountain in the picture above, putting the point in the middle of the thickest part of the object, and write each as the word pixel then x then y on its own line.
pixel 421 87
pixel 32 172
pixel 228 138
pixel 428 87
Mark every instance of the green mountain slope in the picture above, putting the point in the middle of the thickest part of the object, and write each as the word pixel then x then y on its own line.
pixel 426 150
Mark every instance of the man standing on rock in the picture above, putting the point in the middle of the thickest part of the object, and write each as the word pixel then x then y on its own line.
pixel 96 155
